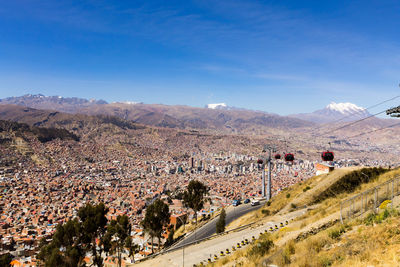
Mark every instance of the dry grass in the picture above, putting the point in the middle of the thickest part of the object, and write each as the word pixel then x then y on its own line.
pixel 236 259
pixel 377 245
pixel 354 245
pixel 331 205
pixel 300 197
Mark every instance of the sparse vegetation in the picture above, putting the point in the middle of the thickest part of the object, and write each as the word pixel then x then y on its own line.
pixel 261 247
pixel 265 212
pixel 336 232
pixel 384 204
pixel 349 182
pixel 332 244
pixel 373 218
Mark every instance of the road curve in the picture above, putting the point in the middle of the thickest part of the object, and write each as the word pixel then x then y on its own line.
pixel 210 228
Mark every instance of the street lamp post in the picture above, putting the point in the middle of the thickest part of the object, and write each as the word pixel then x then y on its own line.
pixel 183 256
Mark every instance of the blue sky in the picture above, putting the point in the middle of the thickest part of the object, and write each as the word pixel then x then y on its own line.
pixel 278 56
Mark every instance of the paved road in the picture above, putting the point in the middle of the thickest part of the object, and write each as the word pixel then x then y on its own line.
pixel 194 254
pixel 201 252
pixel 210 228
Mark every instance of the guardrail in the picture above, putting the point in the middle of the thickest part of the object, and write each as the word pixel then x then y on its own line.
pixel 369 199
pixel 195 242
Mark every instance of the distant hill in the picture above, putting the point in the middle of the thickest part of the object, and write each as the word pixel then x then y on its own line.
pixel 77 123
pixel 118 134
pixel 185 117
pixel 74 113
pixel 180 117
pixel 42 134
pixel 196 129
pixel 59 103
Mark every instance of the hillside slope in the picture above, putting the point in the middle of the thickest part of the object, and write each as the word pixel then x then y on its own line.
pixel 170 116
pixel 317 238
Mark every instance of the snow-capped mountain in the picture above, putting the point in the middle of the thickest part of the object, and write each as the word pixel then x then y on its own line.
pixel 343 109
pixel 335 111
pixel 128 102
pixel 217 106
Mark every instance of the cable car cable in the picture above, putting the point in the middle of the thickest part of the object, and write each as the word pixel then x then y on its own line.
pixel 350 124
pixel 376 130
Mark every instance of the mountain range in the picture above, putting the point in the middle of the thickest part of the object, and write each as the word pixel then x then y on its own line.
pixel 59 103
pixel 198 128
pixel 214 117
pixel 230 120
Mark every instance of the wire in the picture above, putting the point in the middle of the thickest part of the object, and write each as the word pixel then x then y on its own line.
pixel 357 121
pixel 350 124
pixel 373 131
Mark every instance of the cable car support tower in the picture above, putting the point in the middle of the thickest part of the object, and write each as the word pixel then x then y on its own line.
pixel 268 159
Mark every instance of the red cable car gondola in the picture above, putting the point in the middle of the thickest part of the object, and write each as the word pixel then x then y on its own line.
pixel 277 156
pixel 327 156
pixel 289 157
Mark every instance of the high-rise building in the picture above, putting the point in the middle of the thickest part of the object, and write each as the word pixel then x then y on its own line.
pixel 192 162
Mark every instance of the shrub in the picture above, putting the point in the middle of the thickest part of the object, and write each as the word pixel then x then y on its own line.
pixel 325 261
pixel 6 259
pixel 316 244
pixel 269 203
pixel 384 204
pixel 336 232
pixel 373 218
pixel 293 206
pixel 290 247
pixel 285 257
pixel 288 195
pixel 306 188
pixel 170 239
pixel 261 248
pixel 265 212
